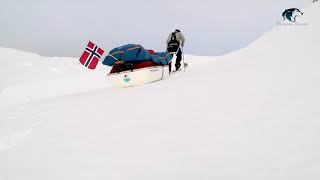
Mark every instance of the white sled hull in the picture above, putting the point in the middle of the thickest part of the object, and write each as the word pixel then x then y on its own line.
pixel 140 76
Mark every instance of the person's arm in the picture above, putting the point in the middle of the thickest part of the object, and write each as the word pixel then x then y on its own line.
pixel 169 38
pixel 182 39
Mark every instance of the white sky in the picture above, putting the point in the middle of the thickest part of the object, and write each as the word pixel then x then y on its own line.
pixel 63 27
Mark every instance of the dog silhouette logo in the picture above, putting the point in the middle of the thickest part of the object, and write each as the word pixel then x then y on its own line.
pixel 291 14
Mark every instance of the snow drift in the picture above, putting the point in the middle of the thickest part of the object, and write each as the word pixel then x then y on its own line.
pixel 252 114
pixel 27 77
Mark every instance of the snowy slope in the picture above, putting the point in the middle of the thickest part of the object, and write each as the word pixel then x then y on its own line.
pixel 252 114
pixel 27 77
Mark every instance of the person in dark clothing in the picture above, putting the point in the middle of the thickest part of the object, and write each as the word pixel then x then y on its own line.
pixel 174 43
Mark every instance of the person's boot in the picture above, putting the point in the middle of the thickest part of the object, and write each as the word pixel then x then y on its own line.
pixel 177 67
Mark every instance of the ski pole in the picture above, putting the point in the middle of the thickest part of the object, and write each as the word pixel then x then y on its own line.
pixel 184 68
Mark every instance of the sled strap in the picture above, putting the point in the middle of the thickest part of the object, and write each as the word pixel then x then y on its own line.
pixel 112 57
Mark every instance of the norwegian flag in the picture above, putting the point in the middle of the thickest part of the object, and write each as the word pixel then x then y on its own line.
pixel 91 55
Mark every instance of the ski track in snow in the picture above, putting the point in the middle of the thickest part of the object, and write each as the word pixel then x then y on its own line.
pixel 16 138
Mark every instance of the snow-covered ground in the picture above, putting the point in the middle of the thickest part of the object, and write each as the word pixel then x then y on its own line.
pixel 252 114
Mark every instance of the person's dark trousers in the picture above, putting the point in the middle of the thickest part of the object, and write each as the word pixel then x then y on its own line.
pixel 179 58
